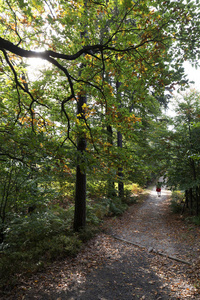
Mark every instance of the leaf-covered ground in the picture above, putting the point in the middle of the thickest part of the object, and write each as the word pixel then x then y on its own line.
pixel 141 266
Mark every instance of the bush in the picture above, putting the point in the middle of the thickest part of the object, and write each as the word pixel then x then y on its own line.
pixel 35 258
pixel 116 206
pixel 129 198
pixel 59 246
pixel 87 233
pixel 195 220
pixel 26 230
pixel 98 209
pixel 94 212
pixel 136 189
pixel 32 240
pixel 177 201
pixel 95 189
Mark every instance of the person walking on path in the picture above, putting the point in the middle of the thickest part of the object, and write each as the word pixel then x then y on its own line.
pixel 158 188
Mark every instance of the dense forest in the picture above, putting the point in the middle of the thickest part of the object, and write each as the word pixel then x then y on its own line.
pixel 84 89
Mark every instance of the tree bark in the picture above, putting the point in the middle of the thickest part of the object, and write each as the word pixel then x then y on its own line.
pixel 197 200
pixel 80 191
pixel 186 199
pixel 111 192
pixel 191 201
pixel 119 144
pixel 80 200
pixel 120 169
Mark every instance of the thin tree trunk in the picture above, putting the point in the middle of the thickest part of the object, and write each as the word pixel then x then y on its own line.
pixel 197 201
pixel 120 169
pixel 4 202
pixel 191 201
pixel 111 185
pixel 80 192
pixel 186 199
pixel 194 169
pixel 80 200
pixel 119 144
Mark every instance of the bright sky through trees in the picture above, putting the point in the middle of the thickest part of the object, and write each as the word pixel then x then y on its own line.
pixel 112 66
pixel 193 74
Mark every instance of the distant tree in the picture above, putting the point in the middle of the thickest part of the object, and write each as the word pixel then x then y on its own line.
pixel 183 171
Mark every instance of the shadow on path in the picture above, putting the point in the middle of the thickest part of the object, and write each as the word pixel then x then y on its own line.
pixel 109 269
pixel 126 278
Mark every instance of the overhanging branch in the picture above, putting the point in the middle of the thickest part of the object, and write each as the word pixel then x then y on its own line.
pixel 7 45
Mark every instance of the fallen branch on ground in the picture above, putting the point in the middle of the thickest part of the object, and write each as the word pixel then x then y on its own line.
pixel 152 250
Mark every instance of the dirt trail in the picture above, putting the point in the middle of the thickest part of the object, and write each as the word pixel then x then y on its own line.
pixel 110 269
pixel 148 227
pixel 153 226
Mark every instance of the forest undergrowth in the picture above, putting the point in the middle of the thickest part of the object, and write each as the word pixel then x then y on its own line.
pixel 167 232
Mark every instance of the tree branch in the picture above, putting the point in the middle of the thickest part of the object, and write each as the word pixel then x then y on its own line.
pixel 18 84
pixel 7 45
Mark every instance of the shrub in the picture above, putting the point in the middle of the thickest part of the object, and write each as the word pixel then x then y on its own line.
pixel 60 245
pixel 95 189
pixel 116 206
pixel 136 189
pixel 87 233
pixel 176 201
pixel 31 240
pixel 195 220
pixel 36 257
pixel 26 230
pixel 129 198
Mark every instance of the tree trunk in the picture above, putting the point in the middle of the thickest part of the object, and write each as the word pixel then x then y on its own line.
pixel 119 144
pixel 80 200
pixel 197 200
pixel 193 169
pixel 186 199
pixel 191 201
pixel 80 192
pixel 120 169
pixel 111 192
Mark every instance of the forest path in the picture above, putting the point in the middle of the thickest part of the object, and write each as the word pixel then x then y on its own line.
pixel 111 269
pixel 152 225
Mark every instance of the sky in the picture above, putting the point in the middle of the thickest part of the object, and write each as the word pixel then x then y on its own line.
pixel 193 75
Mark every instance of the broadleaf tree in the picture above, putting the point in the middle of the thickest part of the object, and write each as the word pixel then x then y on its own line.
pixel 141 44
pixel 183 164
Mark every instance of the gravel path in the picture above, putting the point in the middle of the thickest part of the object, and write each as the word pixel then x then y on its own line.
pixel 111 269
pixel 153 226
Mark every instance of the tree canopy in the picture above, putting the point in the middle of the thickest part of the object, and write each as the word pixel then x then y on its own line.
pixel 109 65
